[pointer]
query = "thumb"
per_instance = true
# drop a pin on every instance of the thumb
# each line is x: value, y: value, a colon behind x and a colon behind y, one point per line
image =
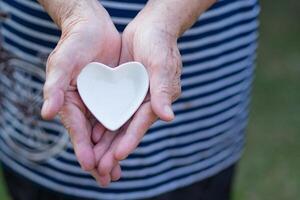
x: 60, y: 65
x: 161, y: 97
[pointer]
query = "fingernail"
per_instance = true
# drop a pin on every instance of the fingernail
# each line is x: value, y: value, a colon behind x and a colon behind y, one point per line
x: 168, y: 110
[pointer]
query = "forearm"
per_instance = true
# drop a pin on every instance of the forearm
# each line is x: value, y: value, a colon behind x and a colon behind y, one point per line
x: 66, y: 11
x: 176, y: 16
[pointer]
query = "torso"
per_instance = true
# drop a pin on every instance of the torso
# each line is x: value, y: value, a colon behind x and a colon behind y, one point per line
x: 207, y: 135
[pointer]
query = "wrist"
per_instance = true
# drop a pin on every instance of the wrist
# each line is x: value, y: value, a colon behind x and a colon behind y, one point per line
x: 174, y: 16
x: 64, y: 13
x: 155, y: 14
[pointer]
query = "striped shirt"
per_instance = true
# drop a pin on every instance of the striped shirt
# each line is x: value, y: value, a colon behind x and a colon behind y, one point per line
x: 207, y: 135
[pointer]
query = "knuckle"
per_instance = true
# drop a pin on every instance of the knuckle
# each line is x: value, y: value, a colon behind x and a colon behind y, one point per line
x: 164, y: 89
x: 177, y: 89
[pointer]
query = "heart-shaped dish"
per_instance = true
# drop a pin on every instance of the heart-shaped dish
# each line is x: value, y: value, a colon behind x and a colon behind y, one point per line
x: 113, y: 94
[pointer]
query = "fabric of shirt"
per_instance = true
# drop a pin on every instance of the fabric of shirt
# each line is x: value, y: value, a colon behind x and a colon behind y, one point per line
x: 207, y: 135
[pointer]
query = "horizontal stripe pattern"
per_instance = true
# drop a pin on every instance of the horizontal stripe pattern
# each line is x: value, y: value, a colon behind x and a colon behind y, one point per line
x: 206, y: 136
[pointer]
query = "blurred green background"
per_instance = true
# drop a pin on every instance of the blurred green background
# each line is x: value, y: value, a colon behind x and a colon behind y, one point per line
x: 270, y: 168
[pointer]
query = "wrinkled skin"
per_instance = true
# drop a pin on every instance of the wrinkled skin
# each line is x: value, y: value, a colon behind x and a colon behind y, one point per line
x: 90, y: 37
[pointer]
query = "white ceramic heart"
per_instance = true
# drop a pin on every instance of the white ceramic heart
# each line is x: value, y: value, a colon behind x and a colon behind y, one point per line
x: 113, y: 94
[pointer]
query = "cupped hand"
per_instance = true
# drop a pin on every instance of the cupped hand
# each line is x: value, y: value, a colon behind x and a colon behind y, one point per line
x: 86, y: 37
x: 150, y: 43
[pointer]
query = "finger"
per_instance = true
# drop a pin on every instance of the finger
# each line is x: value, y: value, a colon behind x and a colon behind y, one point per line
x: 97, y: 132
x: 108, y: 161
x: 106, y: 164
x: 103, y: 181
x: 102, y: 146
x: 79, y: 133
x: 161, y: 96
x: 116, y: 172
x: 60, y: 66
x: 96, y: 176
x: 140, y: 123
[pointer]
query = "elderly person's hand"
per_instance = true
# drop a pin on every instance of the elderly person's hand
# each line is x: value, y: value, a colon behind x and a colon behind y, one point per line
x: 157, y: 50
x: 88, y: 34
x: 151, y: 38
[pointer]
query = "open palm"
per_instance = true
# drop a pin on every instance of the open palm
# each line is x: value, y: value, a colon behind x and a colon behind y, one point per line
x: 83, y: 40
x: 163, y: 63
x: 98, y: 150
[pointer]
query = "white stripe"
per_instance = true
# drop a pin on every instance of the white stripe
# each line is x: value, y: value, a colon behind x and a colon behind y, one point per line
x: 228, y: 8
x: 64, y: 166
x: 121, y: 20
x: 122, y: 5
